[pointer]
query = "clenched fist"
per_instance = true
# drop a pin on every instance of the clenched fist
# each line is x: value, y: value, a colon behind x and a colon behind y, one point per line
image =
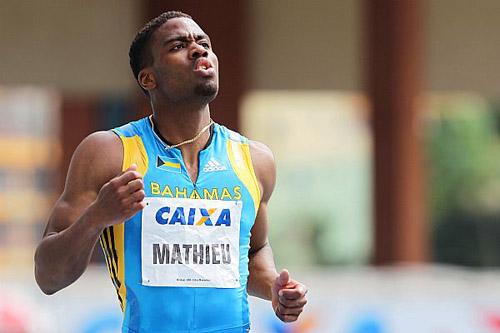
x: 119, y: 199
x: 288, y: 297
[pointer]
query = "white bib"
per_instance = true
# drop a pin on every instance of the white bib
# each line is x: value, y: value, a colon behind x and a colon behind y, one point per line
x: 191, y: 242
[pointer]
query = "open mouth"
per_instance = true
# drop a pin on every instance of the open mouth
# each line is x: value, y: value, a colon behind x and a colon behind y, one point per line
x: 202, y: 64
x: 204, y: 68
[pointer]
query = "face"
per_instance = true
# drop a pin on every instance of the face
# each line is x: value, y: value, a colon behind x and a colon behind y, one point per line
x: 184, y: 64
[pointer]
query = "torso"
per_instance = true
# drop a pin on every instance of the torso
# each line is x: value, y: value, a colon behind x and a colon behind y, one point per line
x: 181, y: 265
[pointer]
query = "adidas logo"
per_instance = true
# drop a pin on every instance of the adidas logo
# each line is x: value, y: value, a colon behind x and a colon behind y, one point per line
x: 213, y: 165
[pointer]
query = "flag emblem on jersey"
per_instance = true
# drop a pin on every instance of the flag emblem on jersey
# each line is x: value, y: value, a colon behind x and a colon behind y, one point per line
x: 213, y: 165
x: 168, y: 164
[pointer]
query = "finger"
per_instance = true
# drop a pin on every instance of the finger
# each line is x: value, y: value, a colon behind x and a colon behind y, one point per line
x: 283, y: 278
x: 137, y: 206
x: 290, y: 311
x: 289, y: 318
x: 293, y: 293
x: 126, y: 177
x: 134, y: 185
x: 286, y: 317
x: 134, y: 208
x: 295, y: 303
x: 137, y: 196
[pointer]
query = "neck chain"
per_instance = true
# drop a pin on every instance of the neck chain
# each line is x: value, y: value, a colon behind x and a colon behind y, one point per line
x: 185, y: 142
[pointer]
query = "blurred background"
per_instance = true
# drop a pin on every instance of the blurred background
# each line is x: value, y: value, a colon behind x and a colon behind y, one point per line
x: 384, y: 117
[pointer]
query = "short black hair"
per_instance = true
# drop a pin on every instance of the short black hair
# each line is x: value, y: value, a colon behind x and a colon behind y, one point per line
x: 139, y: 53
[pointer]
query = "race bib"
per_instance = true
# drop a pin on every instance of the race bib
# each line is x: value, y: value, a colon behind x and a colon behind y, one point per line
x: 191, y: 243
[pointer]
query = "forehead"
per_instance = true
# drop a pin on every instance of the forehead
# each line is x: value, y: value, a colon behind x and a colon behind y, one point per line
x: 179, y: 26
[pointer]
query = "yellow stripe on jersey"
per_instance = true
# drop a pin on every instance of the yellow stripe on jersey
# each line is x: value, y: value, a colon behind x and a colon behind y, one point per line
x: 173, y: 165
x: 241, y: 161
x: 113, y: 238
x: 134, y: 153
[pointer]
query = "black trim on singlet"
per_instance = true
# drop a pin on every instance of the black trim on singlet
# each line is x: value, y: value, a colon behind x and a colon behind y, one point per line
x: 111, y: 259
x: 114, y: 253
x: 106, y: 255
x: 111, y: 256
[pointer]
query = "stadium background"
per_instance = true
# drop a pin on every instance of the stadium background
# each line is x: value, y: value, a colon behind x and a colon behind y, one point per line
x: 383, y: 116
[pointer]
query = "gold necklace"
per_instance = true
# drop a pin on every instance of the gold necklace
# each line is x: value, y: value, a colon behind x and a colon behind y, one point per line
x: 185, y: 142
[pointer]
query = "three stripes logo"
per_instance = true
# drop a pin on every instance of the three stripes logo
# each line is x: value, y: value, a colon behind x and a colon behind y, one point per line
x: 213, y: 165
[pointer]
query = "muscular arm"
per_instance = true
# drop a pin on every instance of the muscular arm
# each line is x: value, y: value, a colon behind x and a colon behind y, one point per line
x: 261, y: 263
x: 79, y: 216
x: 288, y: 297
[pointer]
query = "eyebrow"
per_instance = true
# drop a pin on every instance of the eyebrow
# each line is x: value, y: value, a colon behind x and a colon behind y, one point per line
x: 185, y: 38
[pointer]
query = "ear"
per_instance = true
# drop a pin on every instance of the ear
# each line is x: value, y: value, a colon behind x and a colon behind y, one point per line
x: 146, y: 79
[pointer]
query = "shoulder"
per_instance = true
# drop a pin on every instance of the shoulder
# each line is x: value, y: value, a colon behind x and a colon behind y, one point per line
x: 259, y: 151
x: 133, y: 128
x: 100, y: 145
x: 107, y: 139
x: 262, y: 155
x: 98, y: 158
x: 262, y: 162
x: 264, y: 166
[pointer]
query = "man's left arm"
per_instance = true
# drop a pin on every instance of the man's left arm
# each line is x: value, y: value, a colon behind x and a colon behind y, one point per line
x: 288, y: 297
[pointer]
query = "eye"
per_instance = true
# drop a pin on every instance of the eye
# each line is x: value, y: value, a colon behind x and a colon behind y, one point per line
x: 177, y: 46
x: 205, y: 45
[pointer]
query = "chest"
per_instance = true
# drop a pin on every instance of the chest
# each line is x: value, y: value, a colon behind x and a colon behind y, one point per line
x: 169, y: 177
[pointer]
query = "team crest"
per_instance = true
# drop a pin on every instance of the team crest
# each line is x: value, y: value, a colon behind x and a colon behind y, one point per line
x: 168, y: 164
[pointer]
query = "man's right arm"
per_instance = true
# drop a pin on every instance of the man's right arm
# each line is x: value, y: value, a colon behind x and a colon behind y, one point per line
x: 96, y: 195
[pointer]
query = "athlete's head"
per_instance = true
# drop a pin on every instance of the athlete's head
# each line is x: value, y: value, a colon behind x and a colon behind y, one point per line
x: 173, y: 56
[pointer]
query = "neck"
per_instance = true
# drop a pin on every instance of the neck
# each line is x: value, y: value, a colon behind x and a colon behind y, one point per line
x: 182, y: 122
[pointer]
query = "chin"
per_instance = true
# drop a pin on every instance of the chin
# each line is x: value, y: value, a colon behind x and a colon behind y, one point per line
x: 208, y: 90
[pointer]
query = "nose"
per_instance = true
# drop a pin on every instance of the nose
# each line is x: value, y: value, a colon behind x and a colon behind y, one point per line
x: 197, y: 51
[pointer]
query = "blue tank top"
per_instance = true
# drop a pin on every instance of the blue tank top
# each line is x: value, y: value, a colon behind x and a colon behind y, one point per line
x: 181, y: 264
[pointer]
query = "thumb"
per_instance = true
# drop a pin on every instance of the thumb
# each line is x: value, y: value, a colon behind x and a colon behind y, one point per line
x: 132, y: 167
x: 283, y: 278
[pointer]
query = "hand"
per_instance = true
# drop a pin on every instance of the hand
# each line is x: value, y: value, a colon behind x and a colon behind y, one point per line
x: 288, y: 297
x: 119, y: 199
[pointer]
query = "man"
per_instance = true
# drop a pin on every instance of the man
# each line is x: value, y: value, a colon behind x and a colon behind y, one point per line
x: 179, y: 203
